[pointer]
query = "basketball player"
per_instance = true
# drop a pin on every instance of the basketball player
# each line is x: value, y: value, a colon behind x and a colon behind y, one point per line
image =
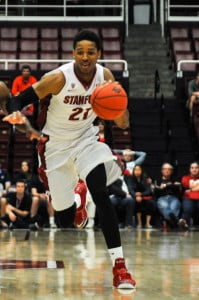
x: 72, y: 150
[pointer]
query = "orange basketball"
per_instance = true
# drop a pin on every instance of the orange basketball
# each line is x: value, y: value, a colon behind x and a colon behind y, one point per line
x: 109, y: 101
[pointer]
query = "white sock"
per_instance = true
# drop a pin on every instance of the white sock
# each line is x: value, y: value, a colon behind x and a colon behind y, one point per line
x: 77, y: 200
x: 51, y: 220
x: 115, y: 253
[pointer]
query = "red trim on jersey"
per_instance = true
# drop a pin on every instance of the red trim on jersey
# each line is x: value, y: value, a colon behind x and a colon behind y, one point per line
x: 85, y: 84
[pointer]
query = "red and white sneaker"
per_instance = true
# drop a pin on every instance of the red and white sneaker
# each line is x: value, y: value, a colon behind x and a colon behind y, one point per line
x: 81, y: 215
x: 122, y: 279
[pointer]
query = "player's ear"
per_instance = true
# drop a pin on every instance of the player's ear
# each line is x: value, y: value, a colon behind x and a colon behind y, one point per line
x: 73, y: 54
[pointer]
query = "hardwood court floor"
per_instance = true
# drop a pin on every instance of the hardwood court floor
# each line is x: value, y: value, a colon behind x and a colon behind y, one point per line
x: 74, y: 265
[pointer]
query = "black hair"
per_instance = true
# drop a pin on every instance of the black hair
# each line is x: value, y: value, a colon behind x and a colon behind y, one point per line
x: 26, y: 67
x: 89, y: 36
x: 20, y: 181
x: 143, y: 174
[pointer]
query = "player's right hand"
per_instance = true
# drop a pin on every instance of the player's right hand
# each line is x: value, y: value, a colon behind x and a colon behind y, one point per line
x: 15, y: 118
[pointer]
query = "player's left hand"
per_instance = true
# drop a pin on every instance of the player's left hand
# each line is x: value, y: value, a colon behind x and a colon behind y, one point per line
x: 34, y: 134
x: 15, y: 118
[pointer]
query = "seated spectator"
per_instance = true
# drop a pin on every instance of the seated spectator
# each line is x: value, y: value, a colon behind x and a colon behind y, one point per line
x: 193, y: 91
x: 5, y: 184
x: 22, y: 82
x: 190, y: 203
x: 101, y: 124
x: 25, y: 174
x: 131, y: 158
x: 122, y: 200
x: 168, y: 192
x: 40, y: 199
x: 4, y: 180
x: 17, y: 207
x: 141, y: 191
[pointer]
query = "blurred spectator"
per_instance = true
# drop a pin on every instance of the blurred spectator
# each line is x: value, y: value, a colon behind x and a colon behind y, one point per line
x: 17, y: 207
x: 40, y: 199
x: 131, y: 158
x: 22, y: 82
x: 141, y: 191
x: 190, y: 203
x: 101, y: 124
x: 5, y: 184
x: 122, y: 201
x: 193, y: 91
x: 168, y: 193
x: 25, y: 174
x: 5, y: 181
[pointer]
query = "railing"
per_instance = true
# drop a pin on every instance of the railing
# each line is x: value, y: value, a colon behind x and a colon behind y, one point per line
x: 172, y: 13
x: 61, y: 61
x: 64, y: 11
x: 180, y: 62
x: 29, y: 11
x: 185, y: 12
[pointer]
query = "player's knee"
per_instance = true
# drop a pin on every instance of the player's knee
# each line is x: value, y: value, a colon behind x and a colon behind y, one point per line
x: 66, y: 217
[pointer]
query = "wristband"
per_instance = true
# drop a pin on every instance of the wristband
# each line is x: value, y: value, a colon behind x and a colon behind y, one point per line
x: 23, y: 99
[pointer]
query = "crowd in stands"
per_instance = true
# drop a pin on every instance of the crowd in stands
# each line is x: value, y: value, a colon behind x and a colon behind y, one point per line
x: 139, y: 201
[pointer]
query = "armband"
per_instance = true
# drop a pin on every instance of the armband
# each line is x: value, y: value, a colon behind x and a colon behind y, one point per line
x: 23, y: 99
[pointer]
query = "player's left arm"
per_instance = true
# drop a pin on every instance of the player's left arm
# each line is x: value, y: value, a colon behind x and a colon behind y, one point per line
x: 123, y: 120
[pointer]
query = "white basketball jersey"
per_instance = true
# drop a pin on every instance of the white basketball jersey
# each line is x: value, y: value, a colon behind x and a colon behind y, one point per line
x: 70, y: 113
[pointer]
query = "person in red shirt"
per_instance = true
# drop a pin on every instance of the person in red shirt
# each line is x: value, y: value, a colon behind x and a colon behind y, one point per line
x: 190, y: 203
x: 22, y: 82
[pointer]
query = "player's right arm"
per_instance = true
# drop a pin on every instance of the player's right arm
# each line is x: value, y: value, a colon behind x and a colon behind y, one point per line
x: 51, y: 83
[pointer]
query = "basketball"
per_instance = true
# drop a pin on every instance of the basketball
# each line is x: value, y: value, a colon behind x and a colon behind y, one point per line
x: 109, y: 101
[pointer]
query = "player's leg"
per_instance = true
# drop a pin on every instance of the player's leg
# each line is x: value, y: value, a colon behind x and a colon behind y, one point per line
x: 96, y: 183
x: 62, y: 182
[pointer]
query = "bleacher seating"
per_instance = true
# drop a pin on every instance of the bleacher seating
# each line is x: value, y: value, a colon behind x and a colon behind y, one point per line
x: 183, y: 45
x: 68, y: 32
x: 179, y: 32
x: 121, y: 139
x: 49, y: 33
x: 29, y: 33
x: 54, y: 42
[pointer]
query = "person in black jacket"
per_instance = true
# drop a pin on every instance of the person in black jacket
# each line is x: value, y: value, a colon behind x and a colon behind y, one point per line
x: 17, y: 207
x: 122, y: 200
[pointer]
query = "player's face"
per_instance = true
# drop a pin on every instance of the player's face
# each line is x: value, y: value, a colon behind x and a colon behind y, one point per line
x: 86, y: 55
